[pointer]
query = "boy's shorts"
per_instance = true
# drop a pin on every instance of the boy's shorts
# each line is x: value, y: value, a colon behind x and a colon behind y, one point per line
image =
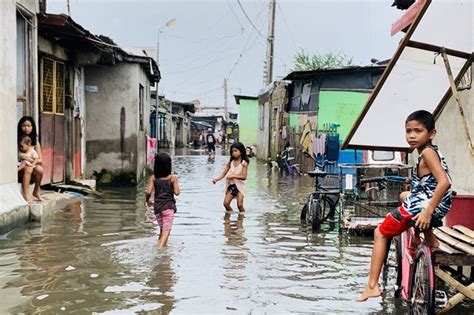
x: 395, y: 223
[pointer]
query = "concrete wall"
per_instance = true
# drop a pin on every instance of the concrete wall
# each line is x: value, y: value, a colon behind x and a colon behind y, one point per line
x: 30, y: 9
x: 248, y: 122
x: 451, y: 139
x: 279, y: 101
x: 52, y: 49
x: 10, y: 197
x: 116, y: 92
x: 263, y: 149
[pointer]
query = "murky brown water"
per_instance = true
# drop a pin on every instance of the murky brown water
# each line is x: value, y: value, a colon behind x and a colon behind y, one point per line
x: 100, y: 256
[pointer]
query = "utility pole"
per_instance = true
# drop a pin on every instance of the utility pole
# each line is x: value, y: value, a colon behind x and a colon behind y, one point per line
x: 268, y: 72
x: 68, y: 8
x: 226, y: 114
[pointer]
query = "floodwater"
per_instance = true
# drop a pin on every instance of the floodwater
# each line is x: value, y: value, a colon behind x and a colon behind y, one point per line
x: 101, y: 256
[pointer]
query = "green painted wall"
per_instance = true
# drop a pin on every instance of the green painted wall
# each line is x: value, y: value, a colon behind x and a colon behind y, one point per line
x: 341, y: 108
x: 248, y: 122
x: 294, y: 120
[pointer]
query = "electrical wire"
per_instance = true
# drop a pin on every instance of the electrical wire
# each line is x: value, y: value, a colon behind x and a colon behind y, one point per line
x: 287, y: 25
x: 248, y: 18
x: 236, y: 17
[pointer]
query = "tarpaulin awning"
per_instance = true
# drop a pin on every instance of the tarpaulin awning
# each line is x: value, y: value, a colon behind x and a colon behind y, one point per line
x: 416, y: 77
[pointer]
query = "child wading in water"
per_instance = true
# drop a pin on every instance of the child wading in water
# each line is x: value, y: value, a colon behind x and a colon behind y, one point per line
x: 165, y: 187
x: 430, y: 196
x: 236, y: 173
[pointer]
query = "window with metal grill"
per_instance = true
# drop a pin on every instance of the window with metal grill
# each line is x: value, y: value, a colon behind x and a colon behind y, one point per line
x: 52, y: 86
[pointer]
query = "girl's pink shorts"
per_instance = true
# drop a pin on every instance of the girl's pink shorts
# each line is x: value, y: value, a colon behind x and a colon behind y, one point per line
x: 165, y: 219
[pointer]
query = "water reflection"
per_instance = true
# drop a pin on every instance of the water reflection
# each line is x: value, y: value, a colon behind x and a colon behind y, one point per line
x: 265, y: 262
x: 234, y: 252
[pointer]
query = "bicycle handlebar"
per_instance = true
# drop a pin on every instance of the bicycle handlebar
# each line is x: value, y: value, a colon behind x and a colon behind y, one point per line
x: 324, y: 164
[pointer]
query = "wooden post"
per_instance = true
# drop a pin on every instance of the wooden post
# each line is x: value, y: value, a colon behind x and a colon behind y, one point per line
x: 455, y: 300
x: 458, y: 101
x: 467, y: 291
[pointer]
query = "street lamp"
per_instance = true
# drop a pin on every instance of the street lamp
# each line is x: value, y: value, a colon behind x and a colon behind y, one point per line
x: 170, y: 23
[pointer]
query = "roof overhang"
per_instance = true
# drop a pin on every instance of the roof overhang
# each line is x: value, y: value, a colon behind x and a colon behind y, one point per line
x: 69, y: 34
x: 244, y: 97
x: 416, y: 77
x: 311, y: 74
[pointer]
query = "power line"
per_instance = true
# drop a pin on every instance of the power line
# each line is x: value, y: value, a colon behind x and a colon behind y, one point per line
x: 243, y: 52
x: 287, y: 25
x: 245, y: 49
x: 236, y: 17
x: 250, y: 21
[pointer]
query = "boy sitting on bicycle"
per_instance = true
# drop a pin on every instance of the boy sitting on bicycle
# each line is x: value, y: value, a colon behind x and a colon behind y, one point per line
x: 430, y: 197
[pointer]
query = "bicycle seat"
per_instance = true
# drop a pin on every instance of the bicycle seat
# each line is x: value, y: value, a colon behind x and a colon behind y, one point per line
x: 317, y: 173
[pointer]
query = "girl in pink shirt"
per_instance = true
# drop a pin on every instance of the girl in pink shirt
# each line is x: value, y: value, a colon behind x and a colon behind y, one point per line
x: 235, y: 172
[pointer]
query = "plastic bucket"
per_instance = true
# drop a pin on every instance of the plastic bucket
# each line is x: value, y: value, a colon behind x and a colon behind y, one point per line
x: 462, y: 211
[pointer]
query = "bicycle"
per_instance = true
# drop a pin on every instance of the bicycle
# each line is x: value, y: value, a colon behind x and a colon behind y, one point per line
x: 415, y: 272
x: 322, y: 202
x: 284, y: 162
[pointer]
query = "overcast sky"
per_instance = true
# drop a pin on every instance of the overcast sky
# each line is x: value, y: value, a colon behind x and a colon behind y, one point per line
x: 213, y: 40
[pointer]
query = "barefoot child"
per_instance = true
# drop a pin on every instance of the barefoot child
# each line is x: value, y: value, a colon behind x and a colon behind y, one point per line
x: 27, y: 173
x: 430, y: 196
x: 236, y: 173
x: 27, y: 156
x: 165, y: 186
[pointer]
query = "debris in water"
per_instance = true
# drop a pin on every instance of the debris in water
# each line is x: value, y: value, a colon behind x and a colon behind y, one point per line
x: 70, y: 268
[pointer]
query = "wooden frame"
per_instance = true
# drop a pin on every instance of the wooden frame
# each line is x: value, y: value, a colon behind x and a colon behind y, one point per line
x: 406, y: 42
x: 456, y: 249
x: 54, y: 86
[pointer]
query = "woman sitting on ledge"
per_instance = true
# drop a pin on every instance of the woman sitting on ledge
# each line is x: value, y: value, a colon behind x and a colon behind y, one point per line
x: 30, y: 170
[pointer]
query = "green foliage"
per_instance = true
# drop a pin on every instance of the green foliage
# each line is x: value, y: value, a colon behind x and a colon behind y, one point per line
x: 107, y: 39
x: 319, y: 61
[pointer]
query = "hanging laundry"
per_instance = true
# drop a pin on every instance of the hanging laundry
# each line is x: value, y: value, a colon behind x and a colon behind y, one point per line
x: 332, y: 147
x: 306, y: 141
x: 320, y: 145
x: 150, y: 150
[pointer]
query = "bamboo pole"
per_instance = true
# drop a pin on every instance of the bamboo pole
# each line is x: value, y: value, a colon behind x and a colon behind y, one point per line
x: 456, y: 234
x: 458, y: 101
x: 464, y: 230
x: 454, y: 242
x: 457, y: 298
x: 446, y: 277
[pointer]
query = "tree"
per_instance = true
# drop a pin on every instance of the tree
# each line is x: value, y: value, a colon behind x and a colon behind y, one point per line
x: 107, y: 40
x: 318, y: 61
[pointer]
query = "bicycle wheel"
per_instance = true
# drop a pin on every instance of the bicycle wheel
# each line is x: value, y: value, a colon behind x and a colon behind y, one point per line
x: 304, y: 214
x: 316, y: 214
x: 398, y: 258
x: 421, y: 297
x: 328, y: 207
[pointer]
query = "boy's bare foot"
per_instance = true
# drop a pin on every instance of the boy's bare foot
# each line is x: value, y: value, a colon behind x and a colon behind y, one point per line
x: 369, y: 293
x: 38, y: 197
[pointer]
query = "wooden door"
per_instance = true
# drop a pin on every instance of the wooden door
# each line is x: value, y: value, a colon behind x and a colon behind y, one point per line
x: 52, y: 120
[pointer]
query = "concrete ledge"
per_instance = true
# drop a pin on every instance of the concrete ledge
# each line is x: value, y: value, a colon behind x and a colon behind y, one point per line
x: 14, y: 218
x: 52, y: 203
x: 37, y: 212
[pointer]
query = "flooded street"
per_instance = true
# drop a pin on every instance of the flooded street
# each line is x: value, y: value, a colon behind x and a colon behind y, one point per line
x: 101, y: 255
